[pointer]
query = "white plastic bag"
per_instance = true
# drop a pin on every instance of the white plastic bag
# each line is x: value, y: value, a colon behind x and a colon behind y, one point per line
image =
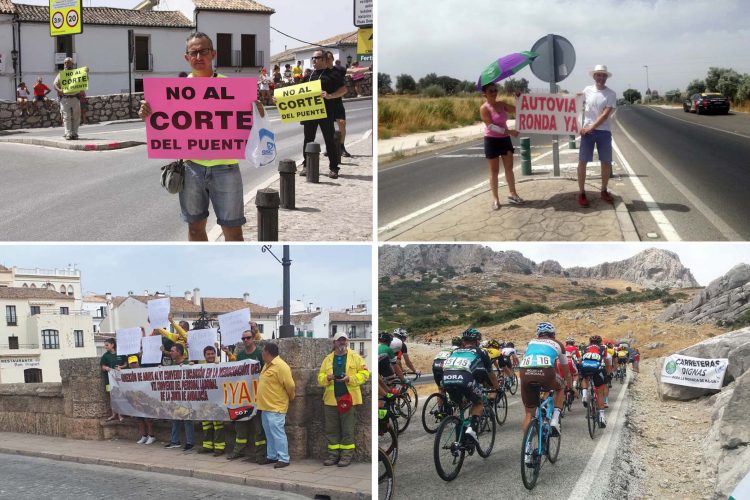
x: 261, y: 146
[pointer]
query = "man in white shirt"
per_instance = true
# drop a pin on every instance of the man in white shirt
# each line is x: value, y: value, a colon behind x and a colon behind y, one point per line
x: 599, y: 104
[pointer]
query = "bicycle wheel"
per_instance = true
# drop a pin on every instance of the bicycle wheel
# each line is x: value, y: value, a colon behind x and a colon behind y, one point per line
x: 433, y: 412
x: 591, y: 417
x: 486, y: 432
x: 622, y: 375
x: 412, y: 391
x: 552, y: 447
x: 447, y: 451
x: 386, y: 481
x: 514, y: 384
x: 403, y: 411
x: 530, y: 473
x: 388, y: 441
x: 500, y: 408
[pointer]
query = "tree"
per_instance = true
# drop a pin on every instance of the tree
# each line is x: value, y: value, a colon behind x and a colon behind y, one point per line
x: 427, y: 80
x: 712, y: 78
x: 743, y: 92
x: 405, y: 83
x: 729, y: 84
x: 695, y: 87
x: 450, y: 85
x: 511, y: 86
x: 631, y: 95
x: 384, y: 83
x: 673, y: 96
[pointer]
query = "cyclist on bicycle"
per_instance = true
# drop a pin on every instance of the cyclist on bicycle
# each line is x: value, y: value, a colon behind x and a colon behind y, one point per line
x: 622, y: 357
x: 442, y: 355
x: 400, y: 334
x: 538, y: 368
x: 387, y: 369
x: 610, y: 363
x: 464, y: 372
x: 593, y: 365
x: 574, y: 358
x: 511, y: 358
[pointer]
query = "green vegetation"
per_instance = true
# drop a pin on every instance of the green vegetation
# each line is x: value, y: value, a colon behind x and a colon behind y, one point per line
x: 596, y: 300
x: 476, y: 269
x: 742, y: 321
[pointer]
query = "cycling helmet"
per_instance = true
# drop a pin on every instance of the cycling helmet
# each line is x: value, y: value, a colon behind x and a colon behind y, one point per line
x: 472, y: 334
x: 545, y: 329
x: 494, y: 344
x: 399, y: 333
x: 385, y: 337
x: 457, y: 341
x: 396, y: 345
x: 595, y: 339
x: 570, y: 341
x: 510, y: 344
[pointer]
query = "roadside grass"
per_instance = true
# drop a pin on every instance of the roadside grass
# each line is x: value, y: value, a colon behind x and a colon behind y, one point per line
x: 401, y: 115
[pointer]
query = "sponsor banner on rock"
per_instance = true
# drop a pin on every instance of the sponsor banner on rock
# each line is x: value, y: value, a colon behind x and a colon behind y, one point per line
x: 225, y: 391
x: 694, y: 372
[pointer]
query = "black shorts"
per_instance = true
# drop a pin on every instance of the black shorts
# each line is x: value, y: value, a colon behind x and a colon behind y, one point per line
x: 596, y: 373
x: 622, y: 361
x: 437, y: 374
x: 460, y: 385
x: 337, y: 109
x: 504, y: 361
x: 497, y: 146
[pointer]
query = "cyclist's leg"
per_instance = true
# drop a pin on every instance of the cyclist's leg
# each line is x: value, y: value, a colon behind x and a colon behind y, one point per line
x: 529, y: 396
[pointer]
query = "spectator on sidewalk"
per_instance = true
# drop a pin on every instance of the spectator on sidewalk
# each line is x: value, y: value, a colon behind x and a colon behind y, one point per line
x: 339, y: 113
x: 253, y: 427
x: 358, y: 76
x: 599, y: 104
x: 145, y: 425
x: 216, y: 181
x: 297, y: 72
x: 264, y: 85
x: 178, y: 358
x: 342, y: 373
x: 40, y: 93
x: 213, y: 430
x: 333, y: 87
x: 70, y: 105
x: 22, y: 98
x: 497, y: 143
x: 111, y: 361
x: 288, y: 80
x: 275, y: 391
x: 277, y: 81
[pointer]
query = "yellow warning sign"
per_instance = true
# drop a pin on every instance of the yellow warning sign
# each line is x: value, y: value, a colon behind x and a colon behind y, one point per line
x: 364, y: 41
x: 65, y: 17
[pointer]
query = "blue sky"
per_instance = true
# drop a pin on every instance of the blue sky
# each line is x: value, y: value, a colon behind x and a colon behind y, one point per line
x: 330, y: 276
x: 310, y: 20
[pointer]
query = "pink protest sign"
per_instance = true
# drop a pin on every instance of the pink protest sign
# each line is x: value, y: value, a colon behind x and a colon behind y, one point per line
x: 549, y: 113
x: 199, y: 118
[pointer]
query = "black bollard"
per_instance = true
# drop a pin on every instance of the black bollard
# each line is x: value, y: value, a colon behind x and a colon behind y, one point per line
x: 267, y: 201
x: 337, y: 140
x: 287, y: 169
x: 312, y: 161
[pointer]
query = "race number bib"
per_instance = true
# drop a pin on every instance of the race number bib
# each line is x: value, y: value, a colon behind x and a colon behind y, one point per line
x: 454, y: 363
x: 536, y: 361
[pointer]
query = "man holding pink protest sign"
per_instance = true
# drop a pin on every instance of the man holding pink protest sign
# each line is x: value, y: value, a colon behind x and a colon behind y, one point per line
x: 600, y: 102
x: 209, y: 122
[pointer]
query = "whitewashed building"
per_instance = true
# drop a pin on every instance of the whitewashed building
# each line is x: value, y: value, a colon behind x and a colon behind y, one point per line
x: 65, y: 281
x: 343, y: 47
x: 240, y: 30
x: 40, y: 328
x: 322, y: 324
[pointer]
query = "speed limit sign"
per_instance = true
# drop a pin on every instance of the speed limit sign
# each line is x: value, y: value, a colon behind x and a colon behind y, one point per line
x: 65, y: 17
x: 57, y: 19
x: 72, y: 18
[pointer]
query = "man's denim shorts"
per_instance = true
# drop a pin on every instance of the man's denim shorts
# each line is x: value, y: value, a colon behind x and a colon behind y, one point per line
x: 603, y: 141
x: 222, y: 185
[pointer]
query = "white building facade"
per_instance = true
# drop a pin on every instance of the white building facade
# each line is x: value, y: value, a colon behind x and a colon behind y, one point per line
x: 65, y: 281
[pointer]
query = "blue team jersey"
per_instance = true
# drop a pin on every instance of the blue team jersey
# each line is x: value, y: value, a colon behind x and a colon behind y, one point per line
x: 542, y: 353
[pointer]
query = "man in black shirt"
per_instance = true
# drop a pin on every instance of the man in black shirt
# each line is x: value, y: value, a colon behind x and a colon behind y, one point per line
x: 333, y: 87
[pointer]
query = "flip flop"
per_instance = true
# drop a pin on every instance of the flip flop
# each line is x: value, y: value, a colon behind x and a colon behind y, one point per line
x: 515, y: 199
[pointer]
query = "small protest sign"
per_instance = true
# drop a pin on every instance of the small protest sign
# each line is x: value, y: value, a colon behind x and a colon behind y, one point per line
x: 128, y: 341
x: 299, y: 103
x: 198, y: 340
x: 553, y: 114
x: 158, y: 312
x: 199, y: 118
x: 233, y: 324
x: 151, y: 349
x: 73, y: 81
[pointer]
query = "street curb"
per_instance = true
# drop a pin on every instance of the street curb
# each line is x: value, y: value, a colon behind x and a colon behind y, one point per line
x: 306, y: 489
x: 627, y: 227
x: 73, y: 146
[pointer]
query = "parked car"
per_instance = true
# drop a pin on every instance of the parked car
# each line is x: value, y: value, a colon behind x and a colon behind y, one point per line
x: 706, y: 102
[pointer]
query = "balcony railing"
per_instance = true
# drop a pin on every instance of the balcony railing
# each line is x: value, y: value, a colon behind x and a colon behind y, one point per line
x: 255, y: 62
x: 56, y: 312
x: 48, y: 272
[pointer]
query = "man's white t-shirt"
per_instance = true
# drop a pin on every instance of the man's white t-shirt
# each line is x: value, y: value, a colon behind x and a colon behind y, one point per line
x: 594, y: 103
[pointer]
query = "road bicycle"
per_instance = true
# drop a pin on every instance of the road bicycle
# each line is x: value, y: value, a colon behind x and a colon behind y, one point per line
x: 538, y: 441
x: 620, y: 374
x: 388, y: 430
x: 434, y: 410
x: 592, y: 409
x: 386, y: 479
x: 452, y: 444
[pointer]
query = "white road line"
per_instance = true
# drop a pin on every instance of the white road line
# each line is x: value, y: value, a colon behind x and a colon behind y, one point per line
x: 667, y: 229
x: 468, y: 155
x: 704, y: 209
x: 591, y: 472
x: 700, y: 124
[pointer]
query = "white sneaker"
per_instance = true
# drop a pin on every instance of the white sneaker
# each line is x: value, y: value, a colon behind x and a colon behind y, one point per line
x: 151, y: 440
x: 470, y: 432
x: 142, y: 440
x: 585, y: 400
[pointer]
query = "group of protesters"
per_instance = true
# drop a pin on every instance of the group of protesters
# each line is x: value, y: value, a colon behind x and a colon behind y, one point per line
x: 341, y: 374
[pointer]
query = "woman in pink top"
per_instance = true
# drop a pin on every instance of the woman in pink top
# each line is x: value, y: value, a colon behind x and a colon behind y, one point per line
x: 497, y: 143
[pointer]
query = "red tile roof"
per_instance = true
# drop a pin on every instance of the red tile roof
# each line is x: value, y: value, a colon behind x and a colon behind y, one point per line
x: 213, y: 305
x: 232, y: 6
x: 31, y: 293
x: 6, y: 7
x: 351, y: 318
x: 111, y: 16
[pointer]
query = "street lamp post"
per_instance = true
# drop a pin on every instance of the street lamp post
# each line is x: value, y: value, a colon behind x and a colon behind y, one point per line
x: 648, y: 87
x: 286, y: 329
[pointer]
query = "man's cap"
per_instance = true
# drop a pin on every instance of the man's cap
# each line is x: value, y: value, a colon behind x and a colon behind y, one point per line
x: 340, y: 335
x: 132, y: 359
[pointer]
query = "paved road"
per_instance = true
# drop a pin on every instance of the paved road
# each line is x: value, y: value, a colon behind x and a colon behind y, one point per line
x: 694, y: 167
x: 59, y: 195
x: 582, y: 470
x: 31, y: 477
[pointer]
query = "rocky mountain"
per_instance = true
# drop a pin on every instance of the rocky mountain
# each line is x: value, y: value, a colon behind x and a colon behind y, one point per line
x: 650, y: 268
x: 724, y: 299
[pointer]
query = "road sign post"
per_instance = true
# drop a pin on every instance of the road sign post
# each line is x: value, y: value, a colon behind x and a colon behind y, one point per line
x: 555, y: 62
